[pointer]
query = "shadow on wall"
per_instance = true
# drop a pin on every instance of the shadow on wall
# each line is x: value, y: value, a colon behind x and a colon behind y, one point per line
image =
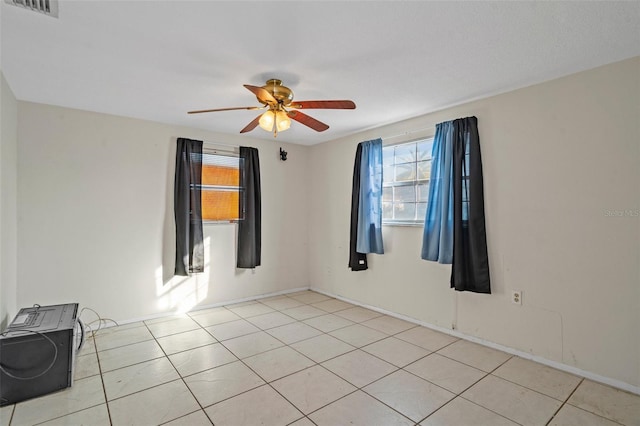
x: 180, y: 294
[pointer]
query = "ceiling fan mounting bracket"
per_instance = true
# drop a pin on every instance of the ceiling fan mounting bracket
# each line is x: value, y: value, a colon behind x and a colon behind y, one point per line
x: 280, y: 93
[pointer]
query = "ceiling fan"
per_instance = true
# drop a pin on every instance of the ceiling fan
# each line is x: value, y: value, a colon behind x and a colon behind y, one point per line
x: 281, y: 108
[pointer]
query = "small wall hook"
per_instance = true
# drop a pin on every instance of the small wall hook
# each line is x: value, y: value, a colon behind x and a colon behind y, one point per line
x: 283, y: 155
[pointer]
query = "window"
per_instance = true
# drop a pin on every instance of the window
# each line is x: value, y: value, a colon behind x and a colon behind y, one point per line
x: 405, y: 185
x: 221, y: 190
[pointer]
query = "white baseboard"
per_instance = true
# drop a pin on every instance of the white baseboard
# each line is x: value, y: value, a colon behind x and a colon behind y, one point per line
x: 554, y: 364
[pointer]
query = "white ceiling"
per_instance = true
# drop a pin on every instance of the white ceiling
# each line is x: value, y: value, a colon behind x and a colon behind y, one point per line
x: 156, y: 60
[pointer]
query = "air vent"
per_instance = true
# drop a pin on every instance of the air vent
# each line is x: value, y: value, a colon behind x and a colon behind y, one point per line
x: 46, y: 7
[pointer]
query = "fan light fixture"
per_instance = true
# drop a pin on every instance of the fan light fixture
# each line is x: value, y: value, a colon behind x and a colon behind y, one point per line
x: 278, y: 118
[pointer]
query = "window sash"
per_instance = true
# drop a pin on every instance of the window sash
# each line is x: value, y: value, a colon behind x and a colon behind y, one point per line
x: 411, y: 163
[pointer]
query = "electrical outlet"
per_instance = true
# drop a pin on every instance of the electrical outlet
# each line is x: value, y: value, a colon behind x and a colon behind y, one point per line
x: 516, y: 297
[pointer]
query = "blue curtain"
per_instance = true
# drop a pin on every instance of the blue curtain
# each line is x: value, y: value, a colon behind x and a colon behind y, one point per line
x: 369, y: 239
x: 454, y: 226
x: 437, y: 239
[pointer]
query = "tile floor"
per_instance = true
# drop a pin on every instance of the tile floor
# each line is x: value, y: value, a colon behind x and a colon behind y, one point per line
x: 306, y: 359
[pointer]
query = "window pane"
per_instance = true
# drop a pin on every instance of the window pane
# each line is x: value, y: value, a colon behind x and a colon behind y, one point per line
x: 387, y: 173
x: 405, y: 153
x: 220, y: 170
x: 423, y: 192
x: 387, y: 210
x: 405, y: 172
x: 404, y: 211
x: 220, y: 205
x: 387, y: 194
x: 387, y: 155
x: 404, y: 193
x: 421, y: 211
x: 424, y: 169
x: 424, y: 150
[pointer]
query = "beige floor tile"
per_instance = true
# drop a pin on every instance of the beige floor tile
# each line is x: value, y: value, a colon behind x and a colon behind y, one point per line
x: 302, y: 422
x: 388, y: 325
x: 359, y: 368
x: 478, y: 356
x: 282, y: 303
x: 572, y: 416
x: 605, y: 401
x: 328, y: 323
x: 229, y: 330
x: 270, y: 320
x: 84, y: 393
x: 310, y: 297
x: 277, y: 363
x: 117, y: 338
x: 396, y: 351
x: 252, y: 344
x: 512, y: 401
x: 408, y: 394
x: 86, y: 366
x: 426, y: 338
x: 358, y: 335
x: 322, y: 348
x: 5, y: 414
x: 153, y: 406
x: 303, y: 312
x: 165, y: 318
x: 217, y: 316
x: 461, y: 412
x: 124, y: 356
x: 358, y: 314
x: 294, y: 332
x: 176, y: 325
x: 260, y: 406
x: 185, y: 341
x: 445, y: 372
x: 358, y: 409
x: 252, y: 310
x: 200, y: 359
x: 312, y: 388
x: 222, y: 382
x: 127, y: 380
x: 332, y: 305
x: 94, y: 416
x: 549, y: 381
x: 198, y: 418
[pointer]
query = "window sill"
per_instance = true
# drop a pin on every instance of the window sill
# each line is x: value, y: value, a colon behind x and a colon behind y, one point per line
x: 407, y: 224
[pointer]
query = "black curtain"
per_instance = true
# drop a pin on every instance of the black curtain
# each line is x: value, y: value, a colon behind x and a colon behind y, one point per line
x: 188, y: 207
x: 249, y: 228
x: 357, y: 261
x: 470, y: 269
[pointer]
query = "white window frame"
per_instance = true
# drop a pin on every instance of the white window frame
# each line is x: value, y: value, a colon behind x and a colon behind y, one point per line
x: 390, y: 183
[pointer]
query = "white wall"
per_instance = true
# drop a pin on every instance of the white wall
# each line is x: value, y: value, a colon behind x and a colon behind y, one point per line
x: 8, y: 202
x: 96, y: 217
x: 557, y: 157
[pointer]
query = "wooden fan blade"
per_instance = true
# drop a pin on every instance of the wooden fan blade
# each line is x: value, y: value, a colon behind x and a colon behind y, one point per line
x: 223, y: 109
x: 249, y: 127
x: 342, y: 104
x: 316, y: 125
x: 263, y: 95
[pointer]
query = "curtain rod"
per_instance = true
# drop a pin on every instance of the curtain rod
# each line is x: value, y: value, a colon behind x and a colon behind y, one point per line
x: 430, y: 127
x: 220, y: 144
